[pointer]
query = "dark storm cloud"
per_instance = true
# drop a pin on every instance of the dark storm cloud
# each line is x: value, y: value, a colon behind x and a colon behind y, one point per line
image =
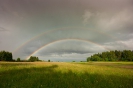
x: 69, y: 47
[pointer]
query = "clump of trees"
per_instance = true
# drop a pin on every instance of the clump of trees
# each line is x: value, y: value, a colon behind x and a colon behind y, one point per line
x: 18, y: 60
x: 49, y: 60
x: 5, y: 56
x: 33, y: 58
x: 125, y: 55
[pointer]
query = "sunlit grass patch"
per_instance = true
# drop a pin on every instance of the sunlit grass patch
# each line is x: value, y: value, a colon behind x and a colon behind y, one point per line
x: 64, y: 75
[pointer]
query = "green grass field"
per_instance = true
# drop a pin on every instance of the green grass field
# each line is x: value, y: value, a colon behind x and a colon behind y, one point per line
x: 66, y: 75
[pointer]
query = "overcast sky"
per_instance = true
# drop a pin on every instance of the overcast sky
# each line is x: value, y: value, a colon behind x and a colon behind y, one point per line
x: 65, y: 30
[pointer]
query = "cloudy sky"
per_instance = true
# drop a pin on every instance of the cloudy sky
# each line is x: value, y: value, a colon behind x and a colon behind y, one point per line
x: 65, y: 30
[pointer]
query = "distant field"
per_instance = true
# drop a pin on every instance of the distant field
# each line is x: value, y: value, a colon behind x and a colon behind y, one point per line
x: 66, y: 75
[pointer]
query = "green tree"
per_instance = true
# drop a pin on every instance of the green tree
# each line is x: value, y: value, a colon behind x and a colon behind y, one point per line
x: 18, y: 59
x: 5, y: 56
x: 33, y: 58
x: 88, y: 59
x: 118, y: 55
x: 48, y: 60
x: 125, y: 55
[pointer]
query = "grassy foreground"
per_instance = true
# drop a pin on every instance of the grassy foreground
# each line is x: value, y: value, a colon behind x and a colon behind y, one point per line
x: 66, y: 75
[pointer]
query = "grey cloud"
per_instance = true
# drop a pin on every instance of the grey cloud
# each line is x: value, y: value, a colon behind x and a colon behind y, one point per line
x: 2, y: 29
x: 117, y: 21
x: 107, y: 23
x: 117, y: 24
x: 120, y: 45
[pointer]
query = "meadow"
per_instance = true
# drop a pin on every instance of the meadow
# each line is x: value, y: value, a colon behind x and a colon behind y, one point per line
x: 66, y: 74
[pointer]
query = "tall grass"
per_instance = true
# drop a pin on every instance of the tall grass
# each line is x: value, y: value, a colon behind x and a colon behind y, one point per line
x: 66, y: 75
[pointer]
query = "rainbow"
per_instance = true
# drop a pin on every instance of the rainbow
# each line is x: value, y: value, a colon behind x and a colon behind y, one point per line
x: 44, y: 33
x: 66, y: 39
x: 54, y: 30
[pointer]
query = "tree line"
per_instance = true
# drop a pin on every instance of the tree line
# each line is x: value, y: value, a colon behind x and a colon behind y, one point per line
x: 125, y: 55
x: 6, y: 56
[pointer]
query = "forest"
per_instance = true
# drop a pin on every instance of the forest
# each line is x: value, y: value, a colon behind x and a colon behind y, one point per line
x: 125, y: 55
